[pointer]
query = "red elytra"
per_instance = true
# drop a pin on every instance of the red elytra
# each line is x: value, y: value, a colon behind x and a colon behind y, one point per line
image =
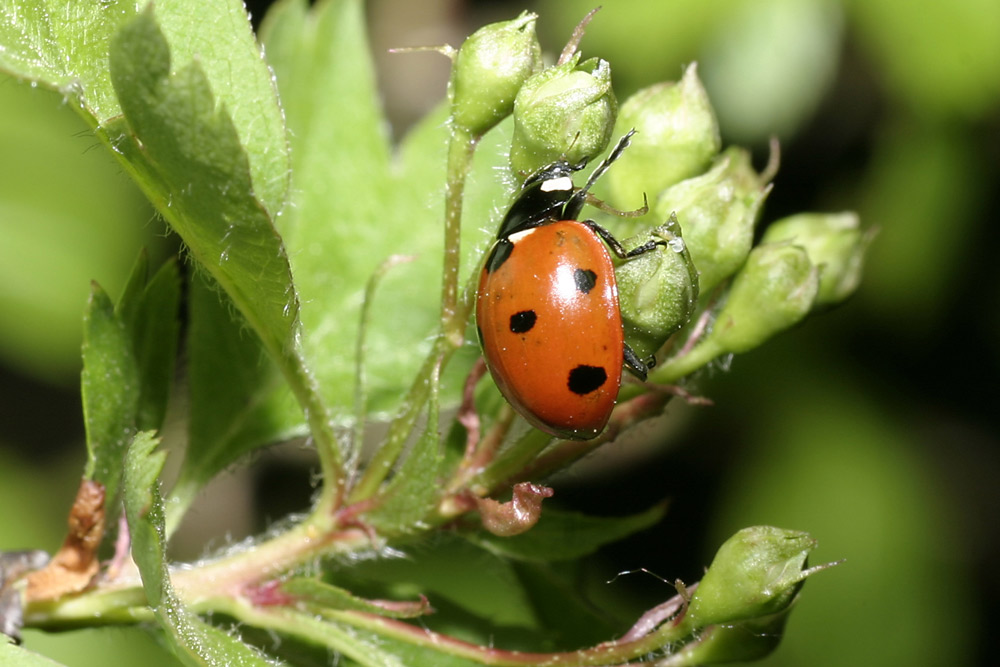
x: 547, y: 308
x: 551, y: 329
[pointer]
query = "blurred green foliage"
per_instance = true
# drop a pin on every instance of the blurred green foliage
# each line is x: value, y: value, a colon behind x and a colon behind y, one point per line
x: 67, y: 216
x: 831, y: 454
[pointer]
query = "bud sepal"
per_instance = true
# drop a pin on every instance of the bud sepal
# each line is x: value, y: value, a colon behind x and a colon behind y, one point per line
x: 836, y: 244
x: 775, y: 289
x: 677, y: 136
x: 718, y: 211
x: 657, y: 290
x: 566, y: 112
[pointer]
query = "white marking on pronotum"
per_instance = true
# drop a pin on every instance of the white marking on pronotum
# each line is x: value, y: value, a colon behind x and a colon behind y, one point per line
x: 561, y: 183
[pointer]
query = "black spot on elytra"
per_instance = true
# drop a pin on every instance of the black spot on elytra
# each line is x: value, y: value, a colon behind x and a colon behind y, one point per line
x: 523, y: 321
x: 498, y: 255
x: 585, y: 379
x: 585, y: 280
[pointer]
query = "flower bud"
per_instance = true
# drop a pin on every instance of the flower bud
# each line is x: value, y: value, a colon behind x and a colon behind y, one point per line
x: 657, y: 290
x: 756, y: 572
x: 676, y: 137
x: 774, y: 290
x: 489, y: 69
x: 563, y: 112
x: 836, y: 245
x: 717, y: 211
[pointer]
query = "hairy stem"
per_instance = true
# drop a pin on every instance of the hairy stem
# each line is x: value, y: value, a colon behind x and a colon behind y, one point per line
x: 454, y: 316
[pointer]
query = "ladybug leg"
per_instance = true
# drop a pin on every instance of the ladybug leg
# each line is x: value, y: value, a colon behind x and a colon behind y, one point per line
x: 616, y: 247
x: 608, y: 208
x: 575, y: 204
x: 637, y: 366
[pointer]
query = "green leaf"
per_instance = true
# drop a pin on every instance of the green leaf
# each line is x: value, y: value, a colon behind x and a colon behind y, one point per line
x: 110, y: 391
x: 12, y: 655
x: 188, y: 156
x: 337, y: 230
x: 149, y: 313
x: 415, y: 488
x: 65, y: 45
x: 321, y: 595
x: 238, y: 398
x: 354, y: 204
x: 128, y: 364
x: 218, y: 36
x: 195, y: 642
x: 408, y: 654
x: 561, y: 535
x: 479, y: 582
x: 145, y: 514
x: 571, y: 613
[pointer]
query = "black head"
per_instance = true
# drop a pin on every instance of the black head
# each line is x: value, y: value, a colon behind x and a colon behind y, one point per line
x: 549, y: 193
x: 542, y: 198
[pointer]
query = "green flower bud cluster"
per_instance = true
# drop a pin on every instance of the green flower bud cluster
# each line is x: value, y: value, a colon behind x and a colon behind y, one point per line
x: 835, y: 243
x: 705, y: 201
x: 776, y: 288
x: 564, y: 112
x: 804, y: 262
x: 756, y: 572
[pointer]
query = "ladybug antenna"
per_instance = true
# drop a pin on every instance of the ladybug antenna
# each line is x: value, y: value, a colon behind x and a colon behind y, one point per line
x: 579, y: 165
x: 575, y: 204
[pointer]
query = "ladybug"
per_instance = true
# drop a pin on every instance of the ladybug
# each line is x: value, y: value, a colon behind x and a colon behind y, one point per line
x: 547, y: 307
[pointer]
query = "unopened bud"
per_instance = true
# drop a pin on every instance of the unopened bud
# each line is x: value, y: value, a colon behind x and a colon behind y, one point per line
x: 774, y: 290
x: 677, y: 135
x: 566, y: 112
x: 835, y: 243
x: 489, y: 69
x: 657, y: 290
x: 717, y: 212
x: 756, y: 572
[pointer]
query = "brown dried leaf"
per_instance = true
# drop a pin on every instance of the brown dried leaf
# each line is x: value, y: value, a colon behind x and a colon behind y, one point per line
x: 75, y: 564
x: 518, y: 514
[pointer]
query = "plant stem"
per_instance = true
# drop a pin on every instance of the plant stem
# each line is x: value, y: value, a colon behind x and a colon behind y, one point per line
x: 675, y: 368
x: 303, y: 543
x: 109, y: 607
x: 607, y: 653
x: 360, y: 371
x: 454, y: 315
x: 382, y: 462
x: 512, y: 460
x: 461, y: 147
x: 208, y: 584
x: 306, y: 390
